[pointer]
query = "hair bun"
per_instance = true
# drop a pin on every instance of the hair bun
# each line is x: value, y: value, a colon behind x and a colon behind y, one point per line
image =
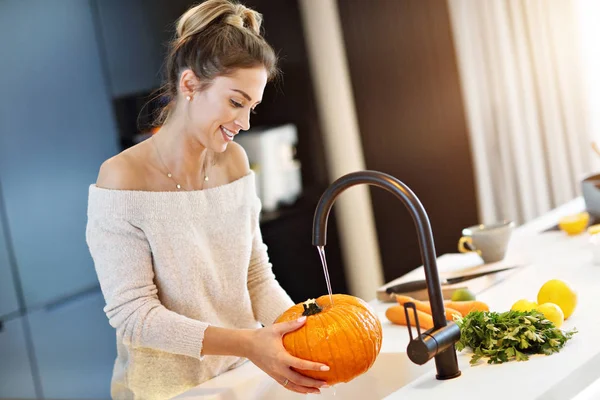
x: 199, y: 17
x: 244, y: 17
x: 235, y: 20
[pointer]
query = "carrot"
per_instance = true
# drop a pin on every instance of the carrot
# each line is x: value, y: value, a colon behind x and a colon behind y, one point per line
x: 419, y: 305
x: 426, y: 307
x: 465, y: 307
x: 397, y: 316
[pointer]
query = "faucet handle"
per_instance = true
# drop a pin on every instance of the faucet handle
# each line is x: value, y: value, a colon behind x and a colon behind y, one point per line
x: 423, y: 347
x: 427, y: 345
x: 408, y: 305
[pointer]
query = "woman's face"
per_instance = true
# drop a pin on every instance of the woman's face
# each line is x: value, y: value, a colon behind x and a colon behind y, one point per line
x: 217, y: 113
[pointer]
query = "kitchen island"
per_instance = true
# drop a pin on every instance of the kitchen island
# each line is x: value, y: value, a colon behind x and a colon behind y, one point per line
x: 573, y: 373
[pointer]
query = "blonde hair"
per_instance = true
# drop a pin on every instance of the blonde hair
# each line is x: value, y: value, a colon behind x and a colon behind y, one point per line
x: 199, y: 17
x: 215, y: 38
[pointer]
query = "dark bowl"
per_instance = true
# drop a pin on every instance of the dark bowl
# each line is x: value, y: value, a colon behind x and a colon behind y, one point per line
x: 590, y: 188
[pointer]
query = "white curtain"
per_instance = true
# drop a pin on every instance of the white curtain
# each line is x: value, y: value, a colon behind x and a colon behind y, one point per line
x: 520, y: 69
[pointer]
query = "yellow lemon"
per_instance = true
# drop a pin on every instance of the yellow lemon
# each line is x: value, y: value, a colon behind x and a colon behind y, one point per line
x: 558, y: 292
x: 552, y: 313
x: 524, y: 305
x: 574, y: 224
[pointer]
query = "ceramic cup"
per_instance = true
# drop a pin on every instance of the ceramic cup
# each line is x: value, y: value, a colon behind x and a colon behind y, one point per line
x: 488, y: 240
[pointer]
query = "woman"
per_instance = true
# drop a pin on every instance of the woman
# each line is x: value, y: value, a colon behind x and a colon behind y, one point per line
x: 173, y: 224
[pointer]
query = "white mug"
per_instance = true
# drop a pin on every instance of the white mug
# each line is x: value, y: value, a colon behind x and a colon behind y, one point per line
x: 488, y: 240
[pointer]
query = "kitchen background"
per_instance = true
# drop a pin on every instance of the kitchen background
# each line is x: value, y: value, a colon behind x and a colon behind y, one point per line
x: 77, y: 75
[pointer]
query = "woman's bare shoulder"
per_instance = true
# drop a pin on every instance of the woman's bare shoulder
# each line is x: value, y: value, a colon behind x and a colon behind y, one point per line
x: 237, y: 161
x: 124, y: 171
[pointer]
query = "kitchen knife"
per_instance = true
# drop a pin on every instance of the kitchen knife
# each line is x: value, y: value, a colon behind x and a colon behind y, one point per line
x: 414, y: 286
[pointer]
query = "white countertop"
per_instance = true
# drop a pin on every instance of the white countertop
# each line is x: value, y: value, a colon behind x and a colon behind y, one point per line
x: 546, y: 255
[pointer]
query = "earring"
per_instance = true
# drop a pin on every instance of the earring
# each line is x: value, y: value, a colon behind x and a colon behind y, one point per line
x: 188, y: 98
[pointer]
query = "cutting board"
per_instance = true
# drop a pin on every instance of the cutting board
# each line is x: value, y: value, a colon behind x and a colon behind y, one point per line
x: 452, y: 265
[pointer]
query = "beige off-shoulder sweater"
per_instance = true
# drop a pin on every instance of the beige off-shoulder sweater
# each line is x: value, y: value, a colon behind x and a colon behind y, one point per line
x: 170, y: 264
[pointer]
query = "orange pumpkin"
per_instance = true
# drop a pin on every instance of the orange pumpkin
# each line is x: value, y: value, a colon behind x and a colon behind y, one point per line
x: 345, y: 336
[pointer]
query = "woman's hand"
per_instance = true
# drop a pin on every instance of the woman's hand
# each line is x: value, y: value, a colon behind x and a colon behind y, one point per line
x: 267, y: 353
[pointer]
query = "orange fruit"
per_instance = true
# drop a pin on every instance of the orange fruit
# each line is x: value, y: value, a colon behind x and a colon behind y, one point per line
x: 574, y: 224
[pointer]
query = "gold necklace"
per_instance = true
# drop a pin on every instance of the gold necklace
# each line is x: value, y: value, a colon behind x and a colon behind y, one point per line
x: 170, y: 175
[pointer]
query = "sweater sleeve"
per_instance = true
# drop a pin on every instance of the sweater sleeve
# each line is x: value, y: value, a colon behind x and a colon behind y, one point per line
x: 269, y: 300
x: 123, y: 263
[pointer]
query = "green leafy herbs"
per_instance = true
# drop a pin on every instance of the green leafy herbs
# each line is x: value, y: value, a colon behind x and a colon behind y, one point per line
x: 512, y: 335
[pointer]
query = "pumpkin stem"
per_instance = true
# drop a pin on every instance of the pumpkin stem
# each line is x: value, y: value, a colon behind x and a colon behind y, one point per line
x: 311, y: 307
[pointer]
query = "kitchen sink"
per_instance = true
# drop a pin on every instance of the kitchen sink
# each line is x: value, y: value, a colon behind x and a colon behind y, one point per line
x: 390, y: 372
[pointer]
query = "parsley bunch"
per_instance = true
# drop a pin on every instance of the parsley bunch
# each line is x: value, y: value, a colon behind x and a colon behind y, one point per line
x: 509, y: 335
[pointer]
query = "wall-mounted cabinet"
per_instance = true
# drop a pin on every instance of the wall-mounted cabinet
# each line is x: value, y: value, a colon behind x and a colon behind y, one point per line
x: 16, y: 375
x: 75, y: 349
x: 57, y: 127
x: 8, y: 294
